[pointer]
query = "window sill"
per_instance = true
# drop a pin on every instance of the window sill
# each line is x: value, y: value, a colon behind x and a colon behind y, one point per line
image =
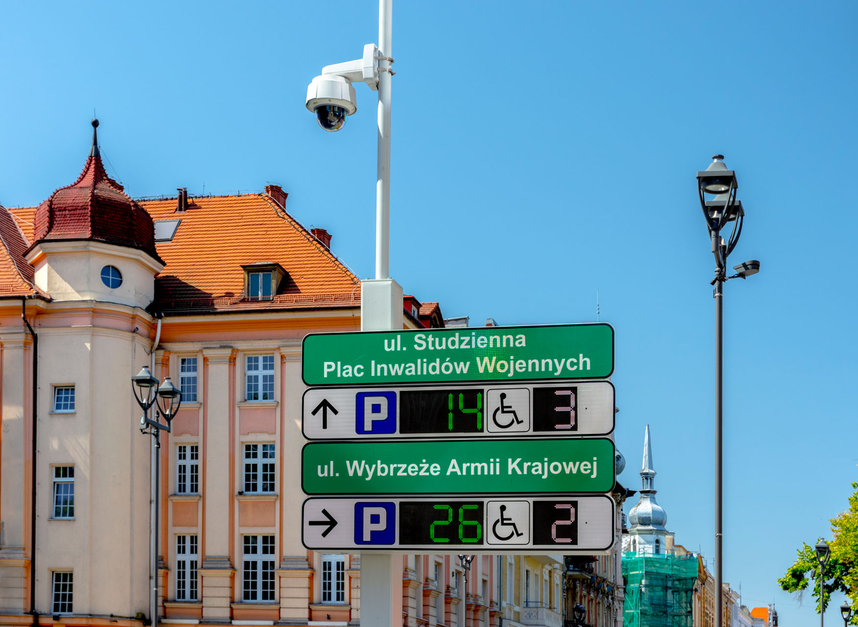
x: 190, y: 405
x: 54, y: 412
x: 184, y: 497
x: 182, y: 604
x: 255, y: 604
x: 62, y: 519
x: 258, y: 403
x: 268, y: 496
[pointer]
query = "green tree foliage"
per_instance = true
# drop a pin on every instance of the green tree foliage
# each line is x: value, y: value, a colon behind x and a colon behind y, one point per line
x: 841, y: 573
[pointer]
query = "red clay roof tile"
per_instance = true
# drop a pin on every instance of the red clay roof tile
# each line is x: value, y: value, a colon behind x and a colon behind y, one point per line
x: 218, y: 235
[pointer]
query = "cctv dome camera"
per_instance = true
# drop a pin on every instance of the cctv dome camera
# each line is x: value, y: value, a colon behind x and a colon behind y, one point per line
x: 331, y: 98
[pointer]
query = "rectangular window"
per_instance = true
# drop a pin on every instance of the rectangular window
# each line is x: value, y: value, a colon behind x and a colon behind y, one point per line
x: 333, y: 578
x: 259, y: 286
x: 187, y: 469
x: 64, y: 399
x: 63, y: 492
x: 510, y: 583
x: 188, y: 379
x: 186, y: 568
x: 61, y: 596
x: 439, y: 585
x: 259, y: 468
x: 260, y: 378
x: 258, y: 576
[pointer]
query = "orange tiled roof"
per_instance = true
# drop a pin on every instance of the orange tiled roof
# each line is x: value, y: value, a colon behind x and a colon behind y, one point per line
x: 760, y: 612
x: 16, y: 275
x: 218, y: 235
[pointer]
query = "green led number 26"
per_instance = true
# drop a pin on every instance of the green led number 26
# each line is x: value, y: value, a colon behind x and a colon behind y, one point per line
x: 471, y: 526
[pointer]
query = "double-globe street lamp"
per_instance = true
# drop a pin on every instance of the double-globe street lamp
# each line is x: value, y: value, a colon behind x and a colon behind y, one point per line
x: 169, y: 398
x: 717, y: 187
x: 823, y: 554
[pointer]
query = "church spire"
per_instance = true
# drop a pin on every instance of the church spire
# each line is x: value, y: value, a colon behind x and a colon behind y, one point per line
x: 647, y: 514
x: 647, y: 471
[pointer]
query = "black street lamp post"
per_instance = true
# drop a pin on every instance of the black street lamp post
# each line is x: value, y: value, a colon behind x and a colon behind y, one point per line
x: 823, y: 553
x: 846, y: 613
x: 579, y: 612
x: 169, y: 399
x: 724, y: 208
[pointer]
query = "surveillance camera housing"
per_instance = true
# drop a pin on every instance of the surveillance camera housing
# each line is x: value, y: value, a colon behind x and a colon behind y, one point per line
x: 331, y: 98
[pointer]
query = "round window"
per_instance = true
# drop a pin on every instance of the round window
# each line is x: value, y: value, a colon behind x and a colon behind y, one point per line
x: 111, y: 277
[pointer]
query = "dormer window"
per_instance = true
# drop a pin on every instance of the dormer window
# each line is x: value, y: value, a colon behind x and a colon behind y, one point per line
x: 262, y: 280
x: 259, y: 286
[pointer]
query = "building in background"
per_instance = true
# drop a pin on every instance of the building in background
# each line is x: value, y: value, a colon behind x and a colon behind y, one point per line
x: 660, y: 576
x: 216, y: 292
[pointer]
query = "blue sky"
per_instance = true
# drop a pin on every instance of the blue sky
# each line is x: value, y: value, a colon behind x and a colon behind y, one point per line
x: 542, y: 152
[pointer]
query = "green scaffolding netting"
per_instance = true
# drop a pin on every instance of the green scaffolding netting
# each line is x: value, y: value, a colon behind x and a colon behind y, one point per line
x: 659, y: 590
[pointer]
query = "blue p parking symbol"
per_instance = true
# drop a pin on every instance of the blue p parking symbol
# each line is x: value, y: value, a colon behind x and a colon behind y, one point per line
x: 375, y: 412
x: 375, y: 523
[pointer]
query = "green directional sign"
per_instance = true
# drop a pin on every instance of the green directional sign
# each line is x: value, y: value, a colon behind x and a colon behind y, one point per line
x: 575, y: 351
x: 482, y: 466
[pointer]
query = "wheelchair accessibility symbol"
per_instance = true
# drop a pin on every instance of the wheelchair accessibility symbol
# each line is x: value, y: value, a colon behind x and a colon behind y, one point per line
x: 510, y: 522
x: 509, y: 409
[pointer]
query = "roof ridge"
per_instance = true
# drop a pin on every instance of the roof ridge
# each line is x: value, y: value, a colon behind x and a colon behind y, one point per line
x: 282, y: 213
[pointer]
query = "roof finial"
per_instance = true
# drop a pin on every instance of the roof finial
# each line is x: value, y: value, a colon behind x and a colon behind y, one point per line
x: 94, y: 152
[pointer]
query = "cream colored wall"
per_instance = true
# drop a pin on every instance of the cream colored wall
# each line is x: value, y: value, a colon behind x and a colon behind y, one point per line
x: 13, y: 444
x: 106, y: 545
x: 72, y: 271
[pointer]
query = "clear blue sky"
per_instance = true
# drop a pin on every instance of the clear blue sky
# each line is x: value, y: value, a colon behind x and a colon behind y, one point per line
x: 542, y: 151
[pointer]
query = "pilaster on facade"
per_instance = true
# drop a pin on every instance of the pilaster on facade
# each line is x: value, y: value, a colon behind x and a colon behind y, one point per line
x: 295, y: 583
x: 410, y: 601
x: 430, y: 602
x: 217, y: 578
x: 353, y: 575
x: 451, y: 609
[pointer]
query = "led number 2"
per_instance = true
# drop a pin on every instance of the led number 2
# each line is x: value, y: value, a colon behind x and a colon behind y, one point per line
x: 567, y: 507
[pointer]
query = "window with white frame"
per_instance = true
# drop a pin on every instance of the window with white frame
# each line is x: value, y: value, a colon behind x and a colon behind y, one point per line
x: 510, y: 583
x: 526, y: 588
x: 187, y: 469
x: 258, y: 567
x: 439, y: 584
x: 259, y: 473
x: 545, y: 591
x: 63, y: 399
x: 63, y: 492
x: 188, y: 379
x: 333, y: 578
x: 186, y: 568
x: 259, y: 381
x: 259, y: 285
x: 62, y: 588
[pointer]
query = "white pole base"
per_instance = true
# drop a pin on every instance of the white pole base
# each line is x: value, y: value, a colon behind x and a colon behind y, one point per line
x: 381, y: 590
x: 381, y: 305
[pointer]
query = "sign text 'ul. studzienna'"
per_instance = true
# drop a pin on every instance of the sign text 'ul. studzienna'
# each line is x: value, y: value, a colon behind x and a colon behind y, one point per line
x: 575, y: 351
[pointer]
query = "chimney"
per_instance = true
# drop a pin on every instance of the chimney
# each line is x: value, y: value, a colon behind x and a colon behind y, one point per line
x: 323, y: 236
x: 277, y: 194
x: 182, y: 199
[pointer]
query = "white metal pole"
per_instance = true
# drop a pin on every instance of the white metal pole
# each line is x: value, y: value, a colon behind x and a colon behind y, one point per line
x: 381, y: 574
x: 382, y: 204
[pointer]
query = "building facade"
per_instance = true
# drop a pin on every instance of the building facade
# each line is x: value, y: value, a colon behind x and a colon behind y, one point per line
x: 217, y: 293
